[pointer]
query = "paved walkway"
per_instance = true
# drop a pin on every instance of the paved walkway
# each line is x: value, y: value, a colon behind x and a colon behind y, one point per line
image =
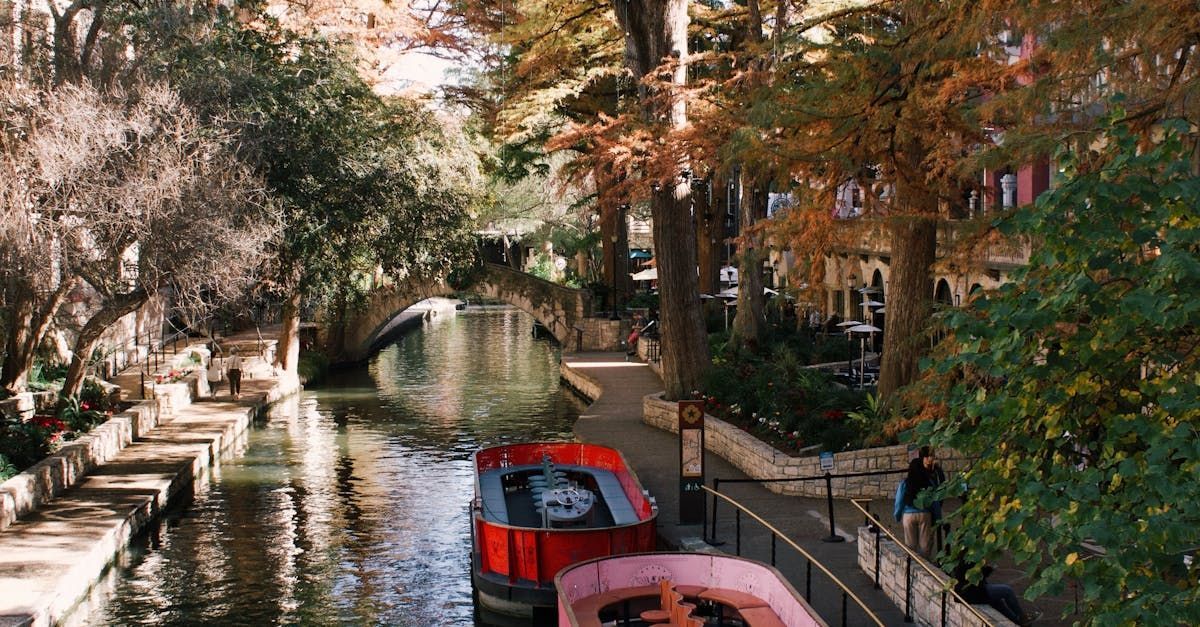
x: 615, y: 419
x: 51, y: 558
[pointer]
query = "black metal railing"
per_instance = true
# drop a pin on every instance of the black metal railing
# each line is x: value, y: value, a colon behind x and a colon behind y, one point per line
x: 810, y: 561
x: 943, y: 582
x: 827, y: 478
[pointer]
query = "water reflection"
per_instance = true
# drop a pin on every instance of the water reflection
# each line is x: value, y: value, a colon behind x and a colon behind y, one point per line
x: 349, y: 503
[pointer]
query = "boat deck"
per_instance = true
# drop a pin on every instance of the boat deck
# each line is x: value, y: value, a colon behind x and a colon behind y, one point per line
x: 507, y: 498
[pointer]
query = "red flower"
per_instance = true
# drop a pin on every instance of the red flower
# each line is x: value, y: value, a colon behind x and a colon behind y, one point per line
x: 49, y: 422
x: 84, y: 406
x: 834, y: 414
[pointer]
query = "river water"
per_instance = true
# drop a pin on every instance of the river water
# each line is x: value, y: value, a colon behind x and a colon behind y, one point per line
x: 348, y: 505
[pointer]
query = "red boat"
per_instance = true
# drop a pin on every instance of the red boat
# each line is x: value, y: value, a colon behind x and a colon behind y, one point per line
x: 540, y: 507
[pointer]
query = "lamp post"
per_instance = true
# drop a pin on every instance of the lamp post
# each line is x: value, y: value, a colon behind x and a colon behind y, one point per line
x: 850, y: 282
x: 613, y: 238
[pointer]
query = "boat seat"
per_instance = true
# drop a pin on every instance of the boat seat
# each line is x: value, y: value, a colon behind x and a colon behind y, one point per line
x: 760, y: 617
x: 587, y: 610
x: 614, y: 497
x: 491, y: 493
x: 736, y: 599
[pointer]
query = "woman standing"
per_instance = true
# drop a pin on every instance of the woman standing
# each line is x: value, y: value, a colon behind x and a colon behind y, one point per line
x: 234, y: 369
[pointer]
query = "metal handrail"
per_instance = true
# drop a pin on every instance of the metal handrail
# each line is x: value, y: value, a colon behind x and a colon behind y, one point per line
x: 811, y: 560
x: 937, y: 574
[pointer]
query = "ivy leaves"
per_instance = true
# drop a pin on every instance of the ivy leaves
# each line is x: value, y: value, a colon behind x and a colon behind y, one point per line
x: 1076, y: 387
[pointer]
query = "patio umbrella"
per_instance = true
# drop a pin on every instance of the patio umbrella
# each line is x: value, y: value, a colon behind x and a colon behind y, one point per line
x: 864, y: 328
x: 649, y: 274
x: 872, y: 303
x: 848, y: 323
x: 880, y: 310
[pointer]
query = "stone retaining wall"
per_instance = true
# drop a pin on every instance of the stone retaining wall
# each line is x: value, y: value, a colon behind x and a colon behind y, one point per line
x: 761, y: 461
x: 924, y: 600
x: 601, y: 334
x: 50, y: 477
x: 64, y: 468
x: 582, y: 384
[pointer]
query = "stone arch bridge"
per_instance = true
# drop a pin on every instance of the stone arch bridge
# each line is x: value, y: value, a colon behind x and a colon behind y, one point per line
x: 561, y: 310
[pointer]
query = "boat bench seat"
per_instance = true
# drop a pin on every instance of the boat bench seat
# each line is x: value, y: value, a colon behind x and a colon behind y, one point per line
x: 614, y: 497
x: 736, y: 599
x: 587, y: 610
x: 491, y: 493
x: 760, y: 617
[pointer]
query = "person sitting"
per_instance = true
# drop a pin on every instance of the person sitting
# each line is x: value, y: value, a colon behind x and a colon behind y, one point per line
x: 631, y: 344
x: 999, y: 596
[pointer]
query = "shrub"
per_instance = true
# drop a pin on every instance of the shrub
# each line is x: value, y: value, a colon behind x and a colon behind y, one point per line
x: 24, y: 444
x: 312, y: 366
x: 7, y: 470
x: 782, y: 402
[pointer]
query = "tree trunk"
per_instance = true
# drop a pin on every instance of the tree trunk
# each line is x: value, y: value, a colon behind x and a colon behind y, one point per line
x: 656, y: 31
x: 621, y: 257
x: 112, y: 311
x: 684, y: 339
x: 19, y: 360
x: 287, y: 352
x: 910, y: 293
x: 749, y: 321
x: 608, y: 248
x: 14, y: 376
x: 707, y: 224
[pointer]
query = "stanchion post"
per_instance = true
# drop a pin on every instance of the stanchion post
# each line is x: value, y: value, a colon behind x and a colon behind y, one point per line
x: 716, y: 500
x: 833, y: 536
x: 738, y: 528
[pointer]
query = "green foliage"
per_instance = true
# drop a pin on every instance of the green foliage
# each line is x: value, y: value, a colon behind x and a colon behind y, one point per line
x: 542, y: 267
x: 80, y: 415
x: 313, y: 366
x: 43, y: 372
x: 1075, y: 387
x: 363, y: 182
x: 7, y: 469
x: 23, y: 444
x: 779, y: 399
x: 643, y: 300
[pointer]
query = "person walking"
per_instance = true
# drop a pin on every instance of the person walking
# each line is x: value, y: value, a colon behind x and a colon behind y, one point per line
x: 234, y: 369
x: 918, y: 521
x: 214, y: 375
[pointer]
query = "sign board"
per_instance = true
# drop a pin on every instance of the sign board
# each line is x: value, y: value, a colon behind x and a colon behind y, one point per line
x: 826, y: 461
x: 691, y: 462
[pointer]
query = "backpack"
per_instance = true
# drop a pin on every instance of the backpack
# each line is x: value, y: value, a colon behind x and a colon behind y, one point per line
x: 898, y: 508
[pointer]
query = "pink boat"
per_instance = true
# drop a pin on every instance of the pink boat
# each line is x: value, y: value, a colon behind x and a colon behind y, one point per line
x: 700, y: 589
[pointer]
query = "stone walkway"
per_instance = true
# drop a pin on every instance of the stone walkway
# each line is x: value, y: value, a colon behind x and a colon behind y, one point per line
x: 50, y: 559
x: 614, y: 419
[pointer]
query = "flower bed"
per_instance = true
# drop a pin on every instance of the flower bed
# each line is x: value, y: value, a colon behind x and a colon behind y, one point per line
x: 25, y: 443
x: 786, y: 404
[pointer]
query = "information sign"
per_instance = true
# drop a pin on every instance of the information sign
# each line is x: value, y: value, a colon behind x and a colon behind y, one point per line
x: 691, y: 462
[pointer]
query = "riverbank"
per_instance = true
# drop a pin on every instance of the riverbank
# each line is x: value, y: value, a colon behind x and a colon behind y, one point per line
x: 51, y: 557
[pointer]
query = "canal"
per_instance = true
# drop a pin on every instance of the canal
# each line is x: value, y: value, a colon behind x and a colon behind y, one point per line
x: 348, y: 504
